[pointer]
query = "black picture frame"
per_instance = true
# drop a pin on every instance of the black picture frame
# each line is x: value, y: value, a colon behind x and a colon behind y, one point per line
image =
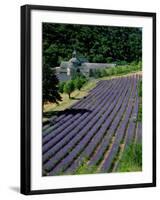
x: 26, y: 98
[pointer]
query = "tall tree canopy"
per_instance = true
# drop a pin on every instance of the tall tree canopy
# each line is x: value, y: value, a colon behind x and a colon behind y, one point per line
x: 96, y: 43
x: 50, y: 86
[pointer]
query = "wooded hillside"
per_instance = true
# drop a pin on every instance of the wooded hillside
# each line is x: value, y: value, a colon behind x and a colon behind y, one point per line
x: 96, y: 43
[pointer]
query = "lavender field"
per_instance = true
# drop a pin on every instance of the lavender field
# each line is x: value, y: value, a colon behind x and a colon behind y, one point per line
x: 92, y: 135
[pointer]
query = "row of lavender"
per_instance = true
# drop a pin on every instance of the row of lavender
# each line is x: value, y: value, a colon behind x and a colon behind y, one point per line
x: 93, y: 129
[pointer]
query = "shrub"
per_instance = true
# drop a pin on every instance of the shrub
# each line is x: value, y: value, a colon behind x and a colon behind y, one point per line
x: 140, y: 65
x: 109, y: 59
x: 103, y: 73
x: 117, y: 70
x: 98, y: 73
x: 91, y: 73
x: 122, y: 63
x: 131, y: 159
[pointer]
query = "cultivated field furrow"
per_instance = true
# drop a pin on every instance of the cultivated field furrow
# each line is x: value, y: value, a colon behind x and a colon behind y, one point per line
x: 90, y: 132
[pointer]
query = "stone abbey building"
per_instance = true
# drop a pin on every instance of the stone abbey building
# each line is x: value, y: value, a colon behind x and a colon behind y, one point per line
x: 67, y: 69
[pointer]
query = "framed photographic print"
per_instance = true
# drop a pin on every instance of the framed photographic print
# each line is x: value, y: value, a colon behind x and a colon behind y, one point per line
x: 88, y: 99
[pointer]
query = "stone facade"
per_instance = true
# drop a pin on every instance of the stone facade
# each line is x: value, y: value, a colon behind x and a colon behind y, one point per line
x: 67, y: 69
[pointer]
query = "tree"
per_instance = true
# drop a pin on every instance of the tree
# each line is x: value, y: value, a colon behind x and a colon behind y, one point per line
x: 61, y: 87
x: 50, y: 86
x: 91, y: 73
x: 69, y: 87
x: 97, y: 73
x: 78, y: 82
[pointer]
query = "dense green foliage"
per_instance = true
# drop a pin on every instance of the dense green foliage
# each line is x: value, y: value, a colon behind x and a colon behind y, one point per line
x: 140, y: 113
x: 69, y: 87
x: 131, y: 159
x: 78, y: 83
x: 118, y: 70
x: 95, y: 43
x: 61, y: 87
x: 50, y: 86
x: 84, y: 168
x: 119, y: 45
